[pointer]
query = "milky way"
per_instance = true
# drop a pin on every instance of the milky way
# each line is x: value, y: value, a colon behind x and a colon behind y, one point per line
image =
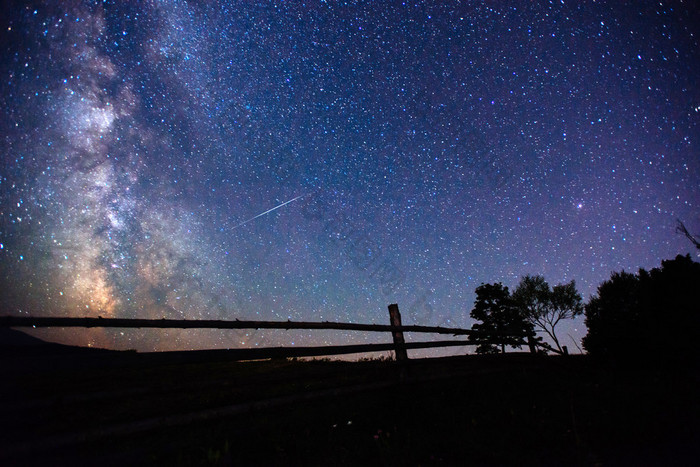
x: 150, y: 151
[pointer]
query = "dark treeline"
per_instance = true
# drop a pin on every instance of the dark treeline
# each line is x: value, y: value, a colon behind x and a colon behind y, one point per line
x: 648, y: 315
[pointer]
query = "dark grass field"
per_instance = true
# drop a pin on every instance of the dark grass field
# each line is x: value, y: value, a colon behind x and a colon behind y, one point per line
x: 67, y: 407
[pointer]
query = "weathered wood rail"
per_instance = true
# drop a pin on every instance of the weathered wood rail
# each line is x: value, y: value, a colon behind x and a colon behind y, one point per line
x: 65, y: 322
x: 399, y: 345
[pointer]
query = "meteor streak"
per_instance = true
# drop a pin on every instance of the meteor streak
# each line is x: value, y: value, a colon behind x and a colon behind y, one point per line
x: 269, y: 210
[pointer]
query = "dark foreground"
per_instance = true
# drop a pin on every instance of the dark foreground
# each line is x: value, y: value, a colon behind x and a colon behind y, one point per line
x: 108, y: 408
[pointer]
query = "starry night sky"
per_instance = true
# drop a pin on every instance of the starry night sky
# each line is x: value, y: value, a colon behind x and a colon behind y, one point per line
x: 421, y: 149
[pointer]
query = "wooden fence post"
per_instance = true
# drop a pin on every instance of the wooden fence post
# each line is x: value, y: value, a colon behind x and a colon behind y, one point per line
x: 399, y: 343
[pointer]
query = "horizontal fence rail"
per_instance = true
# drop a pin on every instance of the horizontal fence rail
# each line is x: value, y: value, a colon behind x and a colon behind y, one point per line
x: 260, y: 353
x: 64, y: 322
x: 399, y: 346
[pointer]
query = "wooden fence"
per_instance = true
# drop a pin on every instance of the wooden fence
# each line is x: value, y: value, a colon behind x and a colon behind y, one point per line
x: 399, y: 345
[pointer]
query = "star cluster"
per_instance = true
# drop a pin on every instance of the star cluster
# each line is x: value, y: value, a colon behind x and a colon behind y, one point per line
x: 406, y: 153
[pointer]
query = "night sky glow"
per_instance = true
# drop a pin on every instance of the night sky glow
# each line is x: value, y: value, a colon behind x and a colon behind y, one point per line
x: 318, y: 161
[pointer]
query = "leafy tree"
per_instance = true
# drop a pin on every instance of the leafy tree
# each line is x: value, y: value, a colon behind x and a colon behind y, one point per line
x: 544, y: 307
x: 501, y: 323
x: 613, y: 315
x: 649, y: 314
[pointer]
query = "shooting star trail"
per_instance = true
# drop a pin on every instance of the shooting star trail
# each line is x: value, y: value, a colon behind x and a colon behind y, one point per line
x: 269, y: 210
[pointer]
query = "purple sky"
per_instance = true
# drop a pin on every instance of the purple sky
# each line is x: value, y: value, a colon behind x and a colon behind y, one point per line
x: 420, y: 150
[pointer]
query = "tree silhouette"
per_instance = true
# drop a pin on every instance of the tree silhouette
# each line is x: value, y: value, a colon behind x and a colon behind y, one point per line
x: 681, y: 229
x: 614, y: 315
x: 651, y: 314
x: 501, y: 323
x: 544, y: 307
